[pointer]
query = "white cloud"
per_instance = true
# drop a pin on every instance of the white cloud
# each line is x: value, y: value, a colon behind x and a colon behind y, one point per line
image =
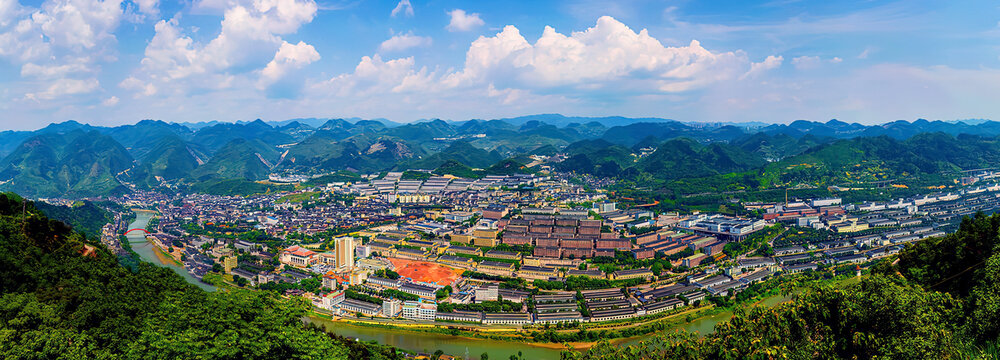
x: 375, y: 76
x: 59, y: 44
x: 52, y: 71
x: 65, y: 87
x: 505, y: 74
x: 403, y: 7
x: 249, y: 39
x: 864, y: 54
x: 111, y: 101
x: 288, y: 58
x: 806, y: 62
x: 148, y: 7
x: 405, y: 41
x: 769, y: 63
x: 836, y: 60
x: 462, y: 21
x: 607, y: 55
x: 140, y: 87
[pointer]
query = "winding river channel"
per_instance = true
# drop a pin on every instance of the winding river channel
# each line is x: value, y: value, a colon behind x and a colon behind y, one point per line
x: 149, y: 253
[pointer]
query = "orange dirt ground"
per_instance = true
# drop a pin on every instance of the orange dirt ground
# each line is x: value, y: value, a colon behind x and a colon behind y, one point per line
x: 428, y: 272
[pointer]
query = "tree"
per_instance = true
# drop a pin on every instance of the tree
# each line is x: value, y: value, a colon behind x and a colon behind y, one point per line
x: 484, y: 356
x: 657, y: 268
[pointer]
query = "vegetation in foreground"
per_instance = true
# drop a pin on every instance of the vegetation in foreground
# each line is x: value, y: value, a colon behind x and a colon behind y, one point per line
x: 63, y: 297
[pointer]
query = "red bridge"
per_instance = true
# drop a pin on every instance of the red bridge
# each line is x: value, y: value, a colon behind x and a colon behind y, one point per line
x: 131, y: 230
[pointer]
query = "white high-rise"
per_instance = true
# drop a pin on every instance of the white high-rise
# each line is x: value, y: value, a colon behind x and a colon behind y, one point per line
x: 345, y: 252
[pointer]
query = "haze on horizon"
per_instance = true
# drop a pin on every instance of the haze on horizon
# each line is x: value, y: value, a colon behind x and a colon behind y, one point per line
x: 115, y: 62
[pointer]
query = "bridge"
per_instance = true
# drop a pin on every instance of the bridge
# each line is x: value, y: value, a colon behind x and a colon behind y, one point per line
x: 131, y: 230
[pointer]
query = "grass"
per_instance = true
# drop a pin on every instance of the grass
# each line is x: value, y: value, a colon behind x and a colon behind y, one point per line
x: 298, y: 198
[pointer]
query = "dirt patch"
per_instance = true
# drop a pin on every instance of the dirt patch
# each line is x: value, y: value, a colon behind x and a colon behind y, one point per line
x: 428, y: 272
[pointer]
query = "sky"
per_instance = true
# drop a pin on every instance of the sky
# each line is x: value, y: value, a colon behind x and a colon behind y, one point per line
x: 116, y: 62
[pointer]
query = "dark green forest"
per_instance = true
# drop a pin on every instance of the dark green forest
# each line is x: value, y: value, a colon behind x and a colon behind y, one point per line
x: 59, y: 300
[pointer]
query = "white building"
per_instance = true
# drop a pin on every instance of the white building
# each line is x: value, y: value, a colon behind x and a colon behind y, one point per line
x: 419, y: 310
x: 345, y: 252
x: 391, y: 307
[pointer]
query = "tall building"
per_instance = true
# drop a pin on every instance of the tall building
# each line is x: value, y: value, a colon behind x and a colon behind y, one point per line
x: 229, y: 263
x: 345, y: 252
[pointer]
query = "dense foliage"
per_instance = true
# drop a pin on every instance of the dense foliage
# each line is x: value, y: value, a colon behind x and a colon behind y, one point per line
x: 56, y: 303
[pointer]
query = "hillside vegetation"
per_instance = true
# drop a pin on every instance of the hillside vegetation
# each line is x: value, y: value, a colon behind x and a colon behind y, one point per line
x: 56, y: 303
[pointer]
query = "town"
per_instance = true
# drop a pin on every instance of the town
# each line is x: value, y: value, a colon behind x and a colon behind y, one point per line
x: 519, y: 251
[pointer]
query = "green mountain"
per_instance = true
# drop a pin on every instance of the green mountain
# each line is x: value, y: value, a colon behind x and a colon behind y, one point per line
x: 778, y: 146
x: 597, y: 157
x: 85, y: 217
x: 171, y: 158
x: 681, y: 158
x: 460, y: 151
x: 65, y: 297
x: 239, y: 159
x: 144, y: 134
x: 925, y: 158
x: 74, y: 164
x: 214, y: 137
x: 455, y: 168
x: 327, y: 151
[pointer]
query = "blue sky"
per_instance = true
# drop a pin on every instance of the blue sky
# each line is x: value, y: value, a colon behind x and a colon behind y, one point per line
x: 114, y: 62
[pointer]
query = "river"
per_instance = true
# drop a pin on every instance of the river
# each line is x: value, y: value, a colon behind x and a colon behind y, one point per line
x: 149, y: 253
x: 460, y: 346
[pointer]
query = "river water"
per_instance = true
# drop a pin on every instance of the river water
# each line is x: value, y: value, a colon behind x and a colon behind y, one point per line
x: 149, y: 253
x: 497, y: 349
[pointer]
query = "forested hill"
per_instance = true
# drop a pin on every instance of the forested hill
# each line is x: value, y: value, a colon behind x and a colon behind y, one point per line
x: 57, y: 303
x: 940, y: 301
x: 71, y: 159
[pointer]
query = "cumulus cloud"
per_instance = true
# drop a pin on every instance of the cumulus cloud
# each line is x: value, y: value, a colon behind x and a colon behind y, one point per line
x: 140, y: 87
x: 250, y: 37
x: 462, y: 21
x: 771, y: 62
x: 53, y: 71
x: 63, y: 87
x: 610, y: 54
x: 111, y: 101
x: 806, y: 62
x: 403, y: 7
x: 148, y: 7
x: 59, y: 45
x: 405, y: 41
x: 288, y: 58
x: 607, y: 63
x: 374, y: 75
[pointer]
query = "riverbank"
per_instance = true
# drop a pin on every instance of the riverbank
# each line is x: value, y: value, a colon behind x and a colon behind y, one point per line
x: 150, y: 252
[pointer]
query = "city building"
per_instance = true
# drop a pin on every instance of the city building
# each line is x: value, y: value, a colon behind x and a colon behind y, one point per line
x: 391, y: 307
x: 419, y: 310
x: 344, y: 252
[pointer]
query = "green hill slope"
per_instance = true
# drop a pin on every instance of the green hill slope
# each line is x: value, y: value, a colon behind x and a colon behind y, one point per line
x: 76, y: 163
x: 58, y: 304
x: 239, y: 159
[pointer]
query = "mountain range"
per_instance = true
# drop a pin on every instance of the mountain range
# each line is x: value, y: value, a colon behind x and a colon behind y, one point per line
x: 74, y: 159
